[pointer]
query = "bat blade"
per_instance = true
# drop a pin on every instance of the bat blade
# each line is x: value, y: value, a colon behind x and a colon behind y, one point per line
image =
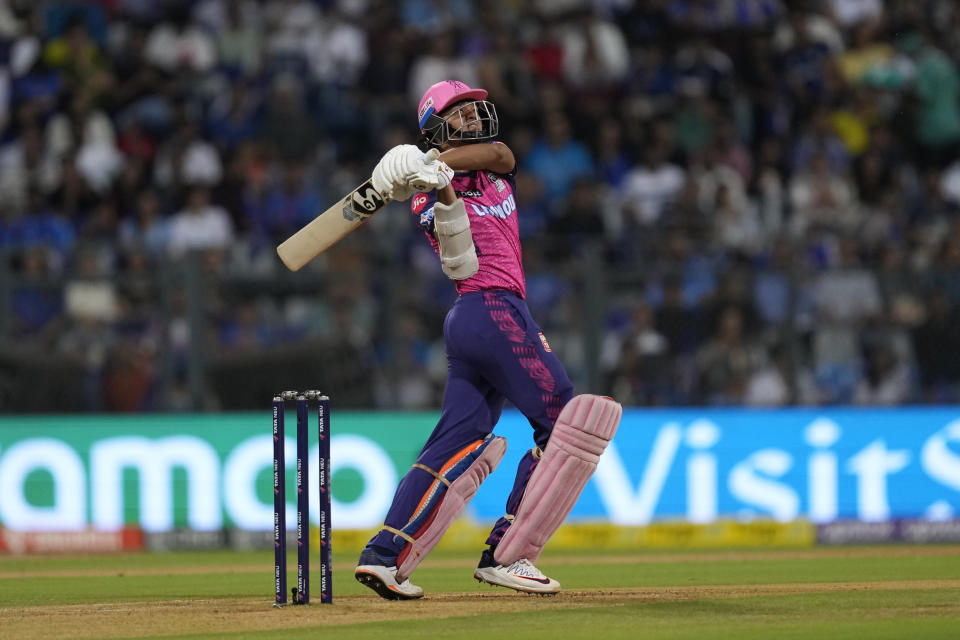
x: 329, y: 227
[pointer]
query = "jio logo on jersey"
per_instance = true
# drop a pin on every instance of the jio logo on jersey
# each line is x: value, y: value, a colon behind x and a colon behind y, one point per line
x: 419, y: 201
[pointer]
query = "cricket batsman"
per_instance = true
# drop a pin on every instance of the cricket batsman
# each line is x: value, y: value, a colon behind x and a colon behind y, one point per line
x: 463, y: 199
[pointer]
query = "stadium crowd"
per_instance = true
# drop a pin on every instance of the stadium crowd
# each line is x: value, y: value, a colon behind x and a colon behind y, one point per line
x: 772, y: 189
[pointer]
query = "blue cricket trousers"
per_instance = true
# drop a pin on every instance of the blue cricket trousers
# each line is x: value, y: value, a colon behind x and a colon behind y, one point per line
x: 495, y: 352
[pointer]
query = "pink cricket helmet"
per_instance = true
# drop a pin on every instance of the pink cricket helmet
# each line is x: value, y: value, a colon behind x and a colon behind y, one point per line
x: 435, y: 130
x: 442, y: 95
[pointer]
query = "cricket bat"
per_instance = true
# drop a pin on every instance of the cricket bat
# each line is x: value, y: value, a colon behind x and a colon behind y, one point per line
x: 329, y: 227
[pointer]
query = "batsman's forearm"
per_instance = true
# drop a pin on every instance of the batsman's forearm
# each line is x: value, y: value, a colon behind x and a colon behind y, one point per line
x: 446, y: 195
x: 495, y: 157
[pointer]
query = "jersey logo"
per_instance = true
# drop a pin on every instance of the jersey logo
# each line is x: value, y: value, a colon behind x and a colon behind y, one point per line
x: 501, y: 211
x: 419, y: 201
x: 497, y: 182
x: 543, y: 341
x: 426, y: 218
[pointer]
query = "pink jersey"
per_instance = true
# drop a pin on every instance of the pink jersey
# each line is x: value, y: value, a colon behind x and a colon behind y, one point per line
x: 492, y: 209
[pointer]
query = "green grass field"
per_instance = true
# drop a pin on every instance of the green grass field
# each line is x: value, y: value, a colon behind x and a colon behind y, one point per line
x: 842, y: 592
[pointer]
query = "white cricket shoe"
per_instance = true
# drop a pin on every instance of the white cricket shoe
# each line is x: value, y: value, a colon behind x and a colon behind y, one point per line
x: 519, y: 576
x: 383, y: 579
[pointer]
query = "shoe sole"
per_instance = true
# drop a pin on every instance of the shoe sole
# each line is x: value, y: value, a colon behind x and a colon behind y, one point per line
x: 521, y: 588
x: 373, y: 581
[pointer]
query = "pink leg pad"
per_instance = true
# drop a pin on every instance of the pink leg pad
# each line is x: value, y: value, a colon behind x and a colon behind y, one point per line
x: 458, y: 494
x: 580, y: 435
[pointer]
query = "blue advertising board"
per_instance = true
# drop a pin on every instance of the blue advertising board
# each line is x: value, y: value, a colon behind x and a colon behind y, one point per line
x: 824, y: 465
x: 207, y: 472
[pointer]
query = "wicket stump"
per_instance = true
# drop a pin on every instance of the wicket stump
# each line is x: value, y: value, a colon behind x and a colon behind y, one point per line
x: 301, y: 592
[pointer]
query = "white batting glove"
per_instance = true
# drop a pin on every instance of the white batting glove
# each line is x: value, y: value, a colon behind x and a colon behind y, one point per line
x: 432, y: 174
x: 390, y: 176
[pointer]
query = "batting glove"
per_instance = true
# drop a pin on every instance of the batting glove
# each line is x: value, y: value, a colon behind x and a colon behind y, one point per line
x: 432, y: 173
x: 391, y: 175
